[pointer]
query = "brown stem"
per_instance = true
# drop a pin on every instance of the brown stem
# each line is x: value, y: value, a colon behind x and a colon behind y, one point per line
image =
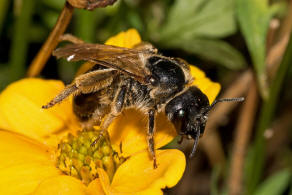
x: 274, y: 26
x: 212, y: 146
x: 279, y: 132
x: 275, y: 54
x: 71, y: 38
x: 51, y: 43
x: 244, y: 127
x: 237, y: 89
x: 211, y: 142
x: 243, y: 132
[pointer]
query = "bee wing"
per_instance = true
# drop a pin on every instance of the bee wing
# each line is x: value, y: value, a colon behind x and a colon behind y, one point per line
x: 128, y: 61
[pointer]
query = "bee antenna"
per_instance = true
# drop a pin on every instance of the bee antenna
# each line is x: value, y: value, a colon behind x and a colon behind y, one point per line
x: 240, y: 99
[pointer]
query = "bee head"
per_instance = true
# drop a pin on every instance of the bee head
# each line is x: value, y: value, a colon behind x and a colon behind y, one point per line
x: 189, y: 113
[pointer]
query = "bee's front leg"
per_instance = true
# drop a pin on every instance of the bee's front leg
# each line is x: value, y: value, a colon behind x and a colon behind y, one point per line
x: 150, y: 136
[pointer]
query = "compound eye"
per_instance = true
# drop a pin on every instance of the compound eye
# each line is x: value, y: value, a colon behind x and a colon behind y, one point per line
x: 181, y: 113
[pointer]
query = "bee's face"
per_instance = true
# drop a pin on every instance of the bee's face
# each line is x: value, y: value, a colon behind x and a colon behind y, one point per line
x: 188, y: 112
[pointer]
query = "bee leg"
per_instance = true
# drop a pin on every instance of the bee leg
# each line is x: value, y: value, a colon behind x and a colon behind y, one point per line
x: 150, y: 136
x: 180, y: 140
x: 83, y: 84
x: 121, y: 147
x: 71, y: 38
x: 146, y: 46
x: 117, y: 107
x: 69, y: 89
x: 115, y: 111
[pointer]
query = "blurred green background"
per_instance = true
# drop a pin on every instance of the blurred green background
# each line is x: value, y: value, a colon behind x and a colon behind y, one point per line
x: 225, y: 38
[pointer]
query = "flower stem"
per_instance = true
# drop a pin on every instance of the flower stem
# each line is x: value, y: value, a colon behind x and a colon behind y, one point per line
x: 39, y: 61
x: 243, y: 132
x: 84, y: 28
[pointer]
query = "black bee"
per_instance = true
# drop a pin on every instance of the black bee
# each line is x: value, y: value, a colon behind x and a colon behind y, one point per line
x: 120, y: 78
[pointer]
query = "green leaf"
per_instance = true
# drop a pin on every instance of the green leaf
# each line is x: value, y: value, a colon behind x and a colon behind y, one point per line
x: 216, y: 50
x: 195, y: 26
x: 254, y: 17
x: 275, y: 184
x: 207, y: 18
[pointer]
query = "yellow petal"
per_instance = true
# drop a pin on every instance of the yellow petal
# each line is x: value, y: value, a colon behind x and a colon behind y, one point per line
x: 137, y: 175
x: 24, y: 164
x: 95, y: 187
x: 104, y: 181
x: 209, y: 88
x: 20, y: 108
x: 126, y: 39
x: 24, y: 178
x: 62, y: 184
x: 130, y: 129
x: 17, y: 149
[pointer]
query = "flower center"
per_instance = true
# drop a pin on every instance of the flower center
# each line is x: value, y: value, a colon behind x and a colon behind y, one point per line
x: 79, y: 158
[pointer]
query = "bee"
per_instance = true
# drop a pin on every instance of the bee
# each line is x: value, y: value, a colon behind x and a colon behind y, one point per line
x: 120, y: 78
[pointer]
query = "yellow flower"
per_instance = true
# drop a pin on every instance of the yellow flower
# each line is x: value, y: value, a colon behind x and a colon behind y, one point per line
x: 28, y: 165
x: 28, y: 149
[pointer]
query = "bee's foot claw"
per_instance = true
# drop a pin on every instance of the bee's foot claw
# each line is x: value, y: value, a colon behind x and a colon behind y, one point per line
x: 102, y: 133
x: 46, y: 106
x: 94, y: 142
x: 154, y: 164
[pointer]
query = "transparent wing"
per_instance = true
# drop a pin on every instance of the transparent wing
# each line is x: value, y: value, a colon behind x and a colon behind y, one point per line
x: 128, y: 61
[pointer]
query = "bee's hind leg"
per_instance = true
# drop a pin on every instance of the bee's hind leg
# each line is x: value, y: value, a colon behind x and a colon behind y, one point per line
x: 69, y: 89
x: 116, y: 108
x: 150, y: 136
